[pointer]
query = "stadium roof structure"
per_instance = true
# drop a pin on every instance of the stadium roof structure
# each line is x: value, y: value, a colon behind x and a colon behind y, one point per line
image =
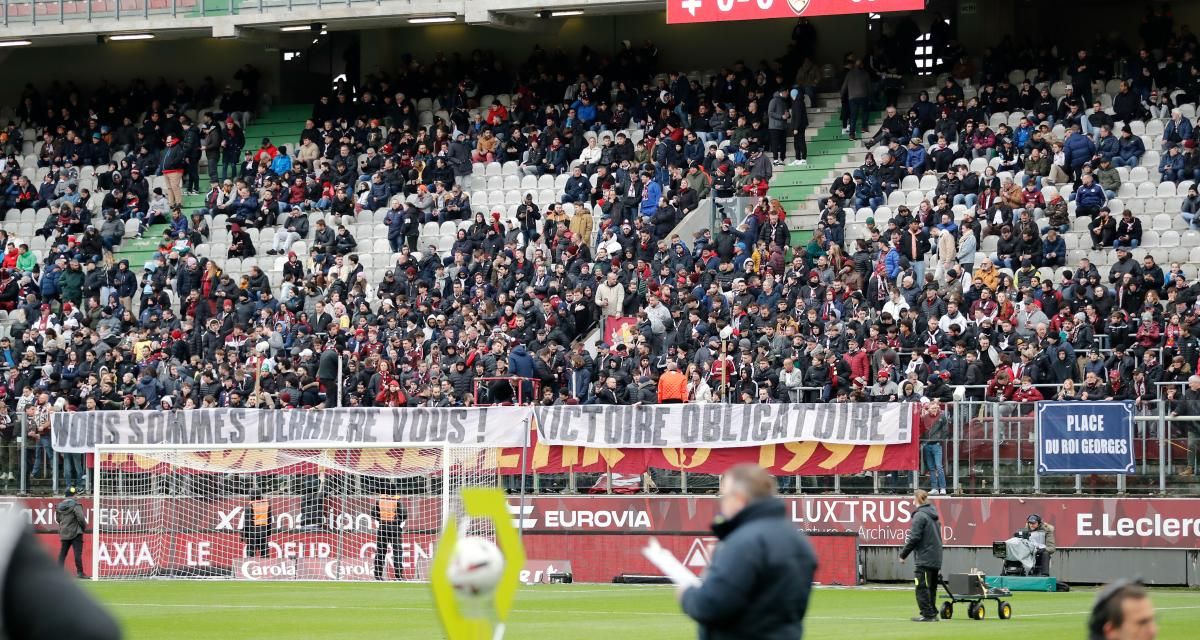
x: 65, y: 22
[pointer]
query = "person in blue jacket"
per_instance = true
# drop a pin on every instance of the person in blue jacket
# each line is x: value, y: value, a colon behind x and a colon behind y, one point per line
x: 1177, y: 130
x: 760, y: 578
x: 1054, y: 249
x: 1107, y: 144
x: 585, y: 111
x: 1078, y: 149
x: 651, y: 192
x: 891, y: 261
x: 520, y: 365
x: 1130, y: 150
x: 1088, y: 198
x: 1170, y: 168
x: 914, y: 163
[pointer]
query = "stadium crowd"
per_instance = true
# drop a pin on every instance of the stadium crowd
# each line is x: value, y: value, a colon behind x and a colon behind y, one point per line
x: 735, y: 314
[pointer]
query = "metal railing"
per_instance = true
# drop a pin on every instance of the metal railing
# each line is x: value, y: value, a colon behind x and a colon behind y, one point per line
x: 990, y: 450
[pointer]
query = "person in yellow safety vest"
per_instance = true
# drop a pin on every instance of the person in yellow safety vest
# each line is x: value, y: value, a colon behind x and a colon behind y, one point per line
x: 390, y: 514
x: 256, y: 525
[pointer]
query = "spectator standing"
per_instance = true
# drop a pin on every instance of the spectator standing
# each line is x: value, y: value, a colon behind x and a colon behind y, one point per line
x: 936, y: 431
x: 1189, y: 405
x: 777, y: 117
x: 857, y: 88
x: 672, y: 385
x: 610, y: 298
x: 174, y: 164
x: 798, y: 121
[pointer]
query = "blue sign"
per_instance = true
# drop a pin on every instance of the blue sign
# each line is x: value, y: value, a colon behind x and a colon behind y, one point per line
x: 1085, y: 437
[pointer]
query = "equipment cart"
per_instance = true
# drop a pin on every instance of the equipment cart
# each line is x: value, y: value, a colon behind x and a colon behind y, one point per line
x: 971, y: 589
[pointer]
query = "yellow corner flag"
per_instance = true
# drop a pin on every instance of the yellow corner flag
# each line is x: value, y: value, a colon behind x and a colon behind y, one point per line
x: 486, y: 504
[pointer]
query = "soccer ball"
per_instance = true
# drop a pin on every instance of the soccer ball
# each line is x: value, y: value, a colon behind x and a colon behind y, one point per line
x: 475, y: 567
x: 263, y: 346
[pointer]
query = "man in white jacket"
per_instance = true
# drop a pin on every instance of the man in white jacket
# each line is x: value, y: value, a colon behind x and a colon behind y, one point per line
x: 610, y: 297
x: 790, y: 381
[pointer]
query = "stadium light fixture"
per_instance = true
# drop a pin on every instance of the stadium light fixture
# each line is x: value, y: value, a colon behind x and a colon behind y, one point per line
x: 566, y: 14
x: 314, y: 27
x: 432, y: 20
x: 131, y: 36
x: 15, y: 43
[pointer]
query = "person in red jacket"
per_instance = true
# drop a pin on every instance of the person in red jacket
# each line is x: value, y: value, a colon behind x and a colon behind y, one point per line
x: 860, y: 363
x: 392, y: 396
x: 1000, y: 388
x: 266, y: 153
x: 1025, y: 395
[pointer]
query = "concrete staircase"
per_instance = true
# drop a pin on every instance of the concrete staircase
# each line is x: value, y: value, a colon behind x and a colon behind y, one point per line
x: 282, y: 124
x: 802, y: 190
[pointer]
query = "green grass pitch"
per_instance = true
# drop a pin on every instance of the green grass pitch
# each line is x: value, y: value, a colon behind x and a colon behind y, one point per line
x: 353, y: 611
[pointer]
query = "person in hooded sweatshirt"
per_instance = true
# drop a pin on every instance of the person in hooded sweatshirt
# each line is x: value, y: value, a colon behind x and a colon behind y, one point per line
x: 520, y: 365
x: 925, y: 545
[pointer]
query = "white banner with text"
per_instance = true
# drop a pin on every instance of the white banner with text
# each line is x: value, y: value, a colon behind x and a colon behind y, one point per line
x: 723, y: 425
x: 240, y: 428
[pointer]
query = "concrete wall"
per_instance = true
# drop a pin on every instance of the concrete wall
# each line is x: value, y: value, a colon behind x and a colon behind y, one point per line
x: 1167, y: 567
x: 683, y: 47
x: 117, y: 62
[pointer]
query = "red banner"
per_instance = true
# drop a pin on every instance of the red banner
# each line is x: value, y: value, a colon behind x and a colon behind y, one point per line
x: 320, y: 556
x: 601, y: 557
x: 599, y: 535
x: 308, y: 555
x: 692, y: 11
x: 1105, y: 523
x: 620, y: 330
x: 793, y: 458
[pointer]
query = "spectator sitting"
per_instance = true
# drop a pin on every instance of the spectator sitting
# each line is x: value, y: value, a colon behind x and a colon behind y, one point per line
x: 1128, y: 232
x: 1089, y: 198
x: 1191, y: 207
x: 1108, y: 178
x: 1102, y: 229
x: 1178, y: 129
x: 1054, y: 249
x: 1171, y: 167
x: 577, y: 188
x: 1130, y: 150
x: 915, y: 161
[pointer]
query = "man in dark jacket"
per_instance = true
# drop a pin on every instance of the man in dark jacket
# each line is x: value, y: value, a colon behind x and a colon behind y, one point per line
x: 71, y: 524
x: 799, y: 122
x: 925, y: 544
x: 327, y: 372
x: 174, y: 164
x: 190, y: 141
x: 758, y: 582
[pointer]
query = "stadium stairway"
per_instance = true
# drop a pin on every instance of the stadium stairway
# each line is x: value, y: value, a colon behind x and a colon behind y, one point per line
x: 801, y: 189
x: 282, y: 124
